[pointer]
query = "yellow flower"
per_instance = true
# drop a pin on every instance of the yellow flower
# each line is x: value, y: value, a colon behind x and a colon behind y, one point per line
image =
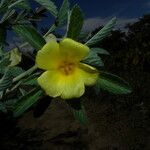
x: 65, y: 75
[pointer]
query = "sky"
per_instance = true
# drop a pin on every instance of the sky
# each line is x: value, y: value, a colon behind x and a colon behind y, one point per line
x: 119, y: 8
x: 98, y: 12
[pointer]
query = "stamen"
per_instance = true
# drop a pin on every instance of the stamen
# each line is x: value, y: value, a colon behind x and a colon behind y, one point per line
x: 66, y: 67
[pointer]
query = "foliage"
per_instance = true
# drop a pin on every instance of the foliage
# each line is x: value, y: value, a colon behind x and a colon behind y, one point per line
x: 18, y: 85
x: 26, y: 101
x: 104, y: 32
x: 112, y: 83
x: 30, y: 35
x: 49, y: 5
x: 75, y: 22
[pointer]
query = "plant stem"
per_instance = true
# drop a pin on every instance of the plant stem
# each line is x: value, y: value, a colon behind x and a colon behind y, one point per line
x: 52, y: 28
x: 28, y: 72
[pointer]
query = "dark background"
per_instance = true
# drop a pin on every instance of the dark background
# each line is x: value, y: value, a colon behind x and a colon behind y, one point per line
x: 115, y: 122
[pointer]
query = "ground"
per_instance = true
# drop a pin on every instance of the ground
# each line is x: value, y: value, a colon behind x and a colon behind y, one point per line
x: 115, y: 122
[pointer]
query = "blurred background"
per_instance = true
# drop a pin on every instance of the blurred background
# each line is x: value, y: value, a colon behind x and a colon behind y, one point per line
x: 115, y: 122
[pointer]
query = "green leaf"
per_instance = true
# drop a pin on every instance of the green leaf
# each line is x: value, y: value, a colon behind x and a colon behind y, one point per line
x: 2, y: 2
x: 83, y: 36
x: 49, y: 5
x: 104, y: 32
x: 16, y: 71
x: 26, y: 102
x: 20, y: 16
x: 6, y: 80
x: 112, y: 83
x: 15, y: 3
x: 7, y: 104
x: 4, y: 5
x: 23, y: 91
x: 63, y: 13
x: 31, y: 80
x: 93, y: 59
x: 23, y: 4
x: 100, y: 51
x: 30, y: 34
x: 62, y: 17
x: 80, y: 115
x: 15, y: 57
x: 75, y: 23
x: 7, y: 15
x: 3, y: 64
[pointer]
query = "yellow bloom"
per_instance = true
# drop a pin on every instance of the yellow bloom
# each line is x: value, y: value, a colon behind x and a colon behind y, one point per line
x: 65, y: 75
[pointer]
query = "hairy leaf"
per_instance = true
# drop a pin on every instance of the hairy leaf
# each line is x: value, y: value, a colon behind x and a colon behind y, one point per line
x: 49, y: 5
x: 100, y: 51
x: 75, y: 23
x: 4, y: 5
x: 4, y: 62
x: 93, y: 59
x: 80, y: 115
x: 31, y: 80
x: 30, y: 34
x: 6, y: 80
x: 63, y: 13
x: 104, y: 32
x: 112, y: 83
x: 23, y: 4
x: 16, y: 71
x: 26, y: 102
x: 7, y: 15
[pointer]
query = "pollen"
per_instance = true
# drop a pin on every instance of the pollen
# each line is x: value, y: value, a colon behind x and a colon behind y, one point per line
x: 66, y: 68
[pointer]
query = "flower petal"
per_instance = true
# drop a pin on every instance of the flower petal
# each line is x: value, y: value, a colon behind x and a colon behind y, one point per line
x: 72, y: 86
x: 56, y: 84
x: 73, y: 50
x: 88, y: 74
x: 48, y: 57
x: 49, y: 83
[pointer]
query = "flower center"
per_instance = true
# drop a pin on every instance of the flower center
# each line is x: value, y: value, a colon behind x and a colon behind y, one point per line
x: 66, y: 67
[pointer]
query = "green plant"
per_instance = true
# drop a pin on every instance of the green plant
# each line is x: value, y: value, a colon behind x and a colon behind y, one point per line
x: 19, y: 89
